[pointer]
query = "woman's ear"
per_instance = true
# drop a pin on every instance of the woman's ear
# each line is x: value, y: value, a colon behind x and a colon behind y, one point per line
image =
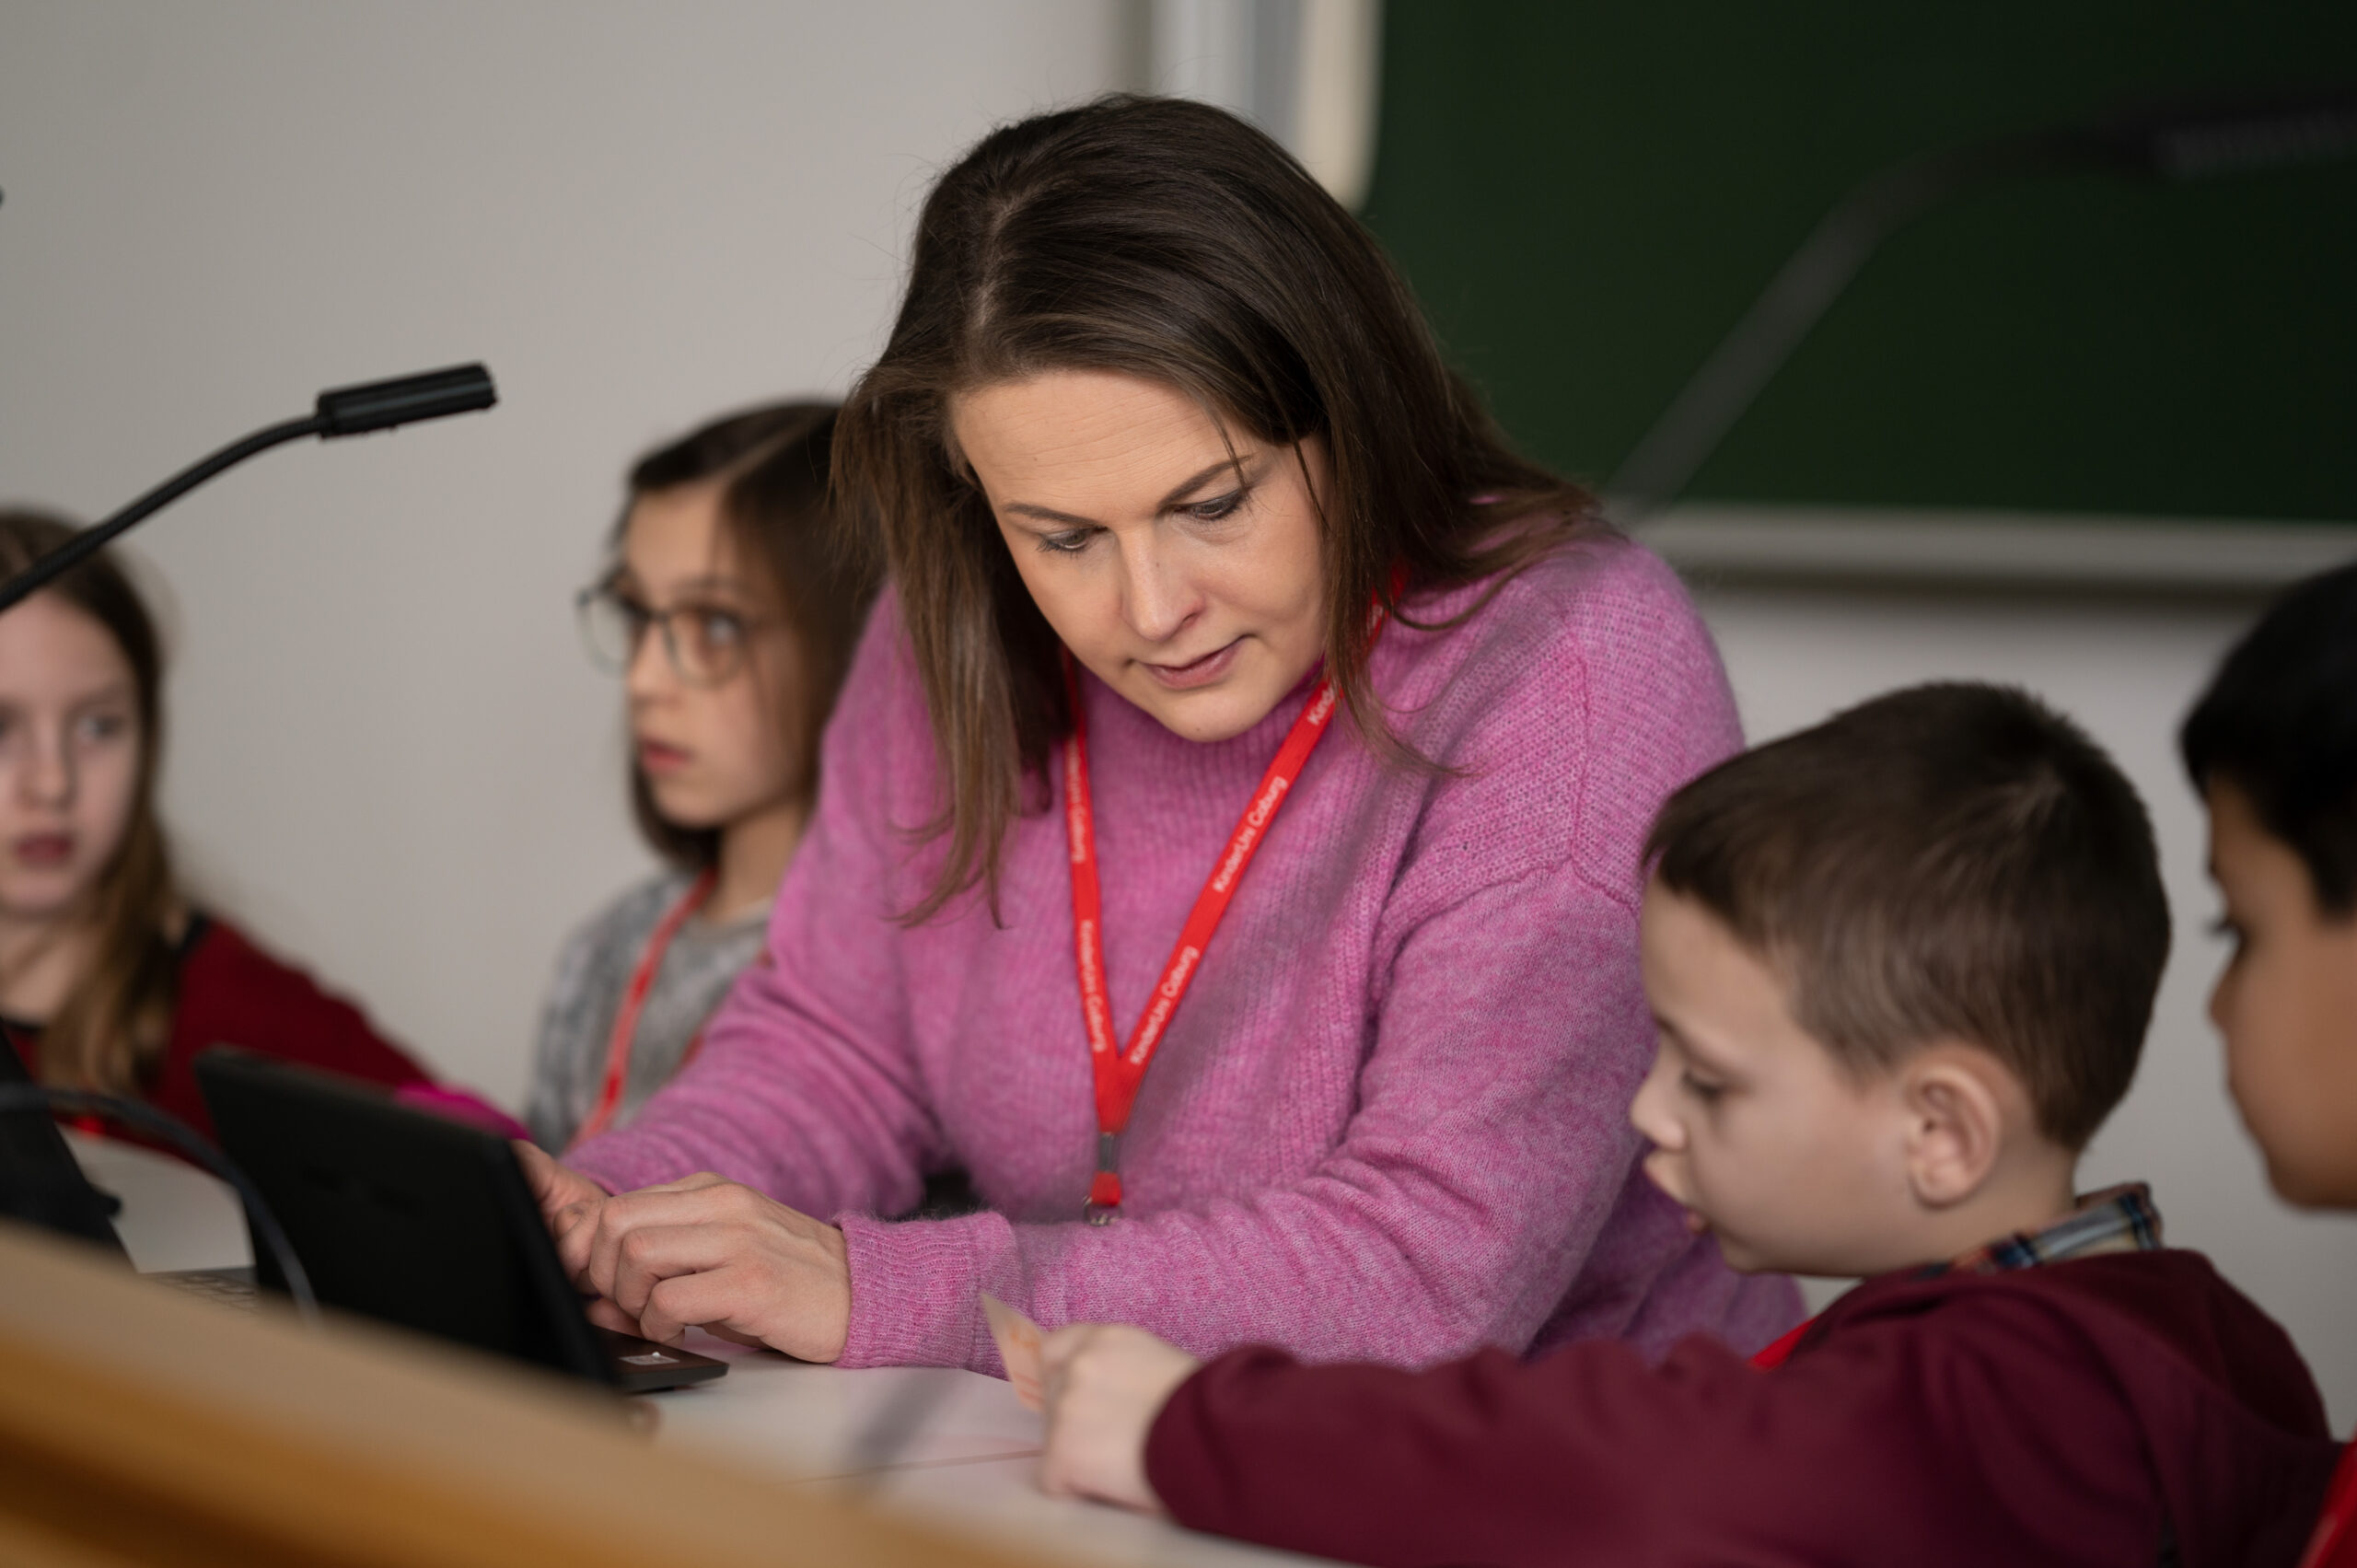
x: 1956, y: 1101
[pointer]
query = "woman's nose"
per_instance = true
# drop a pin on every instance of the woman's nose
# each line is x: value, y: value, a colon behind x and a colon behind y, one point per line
x: 1159, y: 598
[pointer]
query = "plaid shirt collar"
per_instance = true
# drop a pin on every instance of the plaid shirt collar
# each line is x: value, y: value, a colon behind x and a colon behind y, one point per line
x: 2118, y: 1219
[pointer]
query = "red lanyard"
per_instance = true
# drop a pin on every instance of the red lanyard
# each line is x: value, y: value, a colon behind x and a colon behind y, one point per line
x: 641, y: 981
x: 2329, y: 1546
x: 1119, y: 1073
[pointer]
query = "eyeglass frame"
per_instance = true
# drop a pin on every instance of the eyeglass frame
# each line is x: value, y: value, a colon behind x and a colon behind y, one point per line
x: 584, y: 607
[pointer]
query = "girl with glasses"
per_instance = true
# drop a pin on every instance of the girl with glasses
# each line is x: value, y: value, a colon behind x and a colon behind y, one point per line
x: 729, y: 611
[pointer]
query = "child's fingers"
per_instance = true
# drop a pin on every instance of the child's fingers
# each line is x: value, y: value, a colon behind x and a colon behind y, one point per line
x: 1057, y: 1353
x: 1058, y: 1349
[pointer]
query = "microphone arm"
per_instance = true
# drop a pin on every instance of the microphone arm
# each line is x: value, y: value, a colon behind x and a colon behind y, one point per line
x: 2185, y: 142
x: 340, y: 411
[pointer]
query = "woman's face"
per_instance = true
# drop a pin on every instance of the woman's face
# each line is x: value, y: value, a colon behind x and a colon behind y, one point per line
x: 69, y: 756
x: 1181, y: 567
x: 711, y: 741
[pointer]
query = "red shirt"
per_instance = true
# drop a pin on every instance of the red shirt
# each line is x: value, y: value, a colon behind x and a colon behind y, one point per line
x: 231, y: 992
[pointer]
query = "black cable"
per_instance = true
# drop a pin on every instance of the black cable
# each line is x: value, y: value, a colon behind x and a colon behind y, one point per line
x: 340, y: 411
x: 67, y: 556
x: 184, y: 1138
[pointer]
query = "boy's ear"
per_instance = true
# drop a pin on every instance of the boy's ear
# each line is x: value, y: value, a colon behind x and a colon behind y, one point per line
x: 1957, y: 1099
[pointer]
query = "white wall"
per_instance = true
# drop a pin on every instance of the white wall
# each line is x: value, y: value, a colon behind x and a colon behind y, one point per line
x: 2127, y: 668
x: 388, y: 754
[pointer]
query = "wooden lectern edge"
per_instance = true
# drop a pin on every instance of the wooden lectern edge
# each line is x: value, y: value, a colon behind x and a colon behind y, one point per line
x: 138, y: 1424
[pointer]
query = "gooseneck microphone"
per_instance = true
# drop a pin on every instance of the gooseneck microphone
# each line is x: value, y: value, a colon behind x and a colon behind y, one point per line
x: 340, y: 411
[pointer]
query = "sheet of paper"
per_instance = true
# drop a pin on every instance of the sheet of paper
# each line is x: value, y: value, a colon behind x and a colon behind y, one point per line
x: 1018, y: 1345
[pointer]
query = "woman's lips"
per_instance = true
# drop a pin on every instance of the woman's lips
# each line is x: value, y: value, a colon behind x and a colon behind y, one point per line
x: 1201, y: 672
x: 43, y: 850
x: 655, y: 757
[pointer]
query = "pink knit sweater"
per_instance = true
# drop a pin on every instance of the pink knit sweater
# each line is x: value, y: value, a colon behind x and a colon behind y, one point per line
x: 1390, y: 1120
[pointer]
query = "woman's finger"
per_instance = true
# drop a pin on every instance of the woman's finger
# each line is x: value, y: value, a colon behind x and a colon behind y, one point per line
x: 700, y: 1180
x: 653, y: 1253
x: 606, y: 1314
x: 725, y: 1301
x: 575, y: 1231
x: 619, y: 1217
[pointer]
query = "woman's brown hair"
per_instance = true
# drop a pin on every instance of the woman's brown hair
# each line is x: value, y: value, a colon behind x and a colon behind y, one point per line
x: 770, y: 463
x: 1169, y: 240
x: 117, y: 1019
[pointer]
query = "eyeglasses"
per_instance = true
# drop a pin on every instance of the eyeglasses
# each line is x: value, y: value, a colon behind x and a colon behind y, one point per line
x: 704, y: 643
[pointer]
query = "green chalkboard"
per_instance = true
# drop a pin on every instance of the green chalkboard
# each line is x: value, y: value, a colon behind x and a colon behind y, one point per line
x: 1588, y: 196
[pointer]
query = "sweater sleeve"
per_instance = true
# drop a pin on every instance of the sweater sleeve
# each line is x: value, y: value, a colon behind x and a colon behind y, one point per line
x: 1994, y: 1437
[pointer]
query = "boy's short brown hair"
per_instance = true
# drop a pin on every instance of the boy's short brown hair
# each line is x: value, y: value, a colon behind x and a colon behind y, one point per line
x: 1952, y: 861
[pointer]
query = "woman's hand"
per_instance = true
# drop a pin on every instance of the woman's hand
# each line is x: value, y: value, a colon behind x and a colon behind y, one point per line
x: 568, y: 1200
x: 708, y: 1254
x: 1106, y: 1382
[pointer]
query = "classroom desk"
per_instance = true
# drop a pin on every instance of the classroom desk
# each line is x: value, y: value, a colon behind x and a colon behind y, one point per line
x: 945, y: 1443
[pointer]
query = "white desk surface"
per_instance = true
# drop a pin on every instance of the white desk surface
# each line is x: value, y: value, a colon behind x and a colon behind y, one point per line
x: 968, y: 1458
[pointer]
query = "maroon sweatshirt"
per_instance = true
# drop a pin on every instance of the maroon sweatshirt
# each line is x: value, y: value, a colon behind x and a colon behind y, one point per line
x: 2129, y: 1407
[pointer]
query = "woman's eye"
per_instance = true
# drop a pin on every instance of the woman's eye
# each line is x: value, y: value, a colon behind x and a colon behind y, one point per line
x: 1700, y: 1088
x: 103, y: 726
x: 1219, y: 506
x: 1068, y: 543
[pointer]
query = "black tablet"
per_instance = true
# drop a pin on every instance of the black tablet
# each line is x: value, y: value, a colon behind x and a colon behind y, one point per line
x: 415, y: 1220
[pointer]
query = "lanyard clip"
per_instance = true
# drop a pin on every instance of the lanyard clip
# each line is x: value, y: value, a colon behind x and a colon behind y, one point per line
x: 1104, y: 1205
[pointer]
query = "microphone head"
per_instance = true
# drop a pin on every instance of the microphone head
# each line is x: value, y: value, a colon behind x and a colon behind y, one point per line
x: 381, y: 405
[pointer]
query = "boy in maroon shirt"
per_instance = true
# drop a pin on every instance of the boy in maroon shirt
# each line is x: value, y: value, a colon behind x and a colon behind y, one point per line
x: 2272, y: 747
x: 1902, y: 965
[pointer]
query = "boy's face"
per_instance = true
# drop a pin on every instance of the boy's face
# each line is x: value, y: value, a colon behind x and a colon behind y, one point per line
x: 2287, y: 1004
x: 1791, y: 1163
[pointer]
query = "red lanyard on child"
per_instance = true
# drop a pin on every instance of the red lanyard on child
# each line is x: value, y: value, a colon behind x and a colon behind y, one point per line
x: 1120, y: 1071
x: 2334, y: 1545
x: 641, y: 981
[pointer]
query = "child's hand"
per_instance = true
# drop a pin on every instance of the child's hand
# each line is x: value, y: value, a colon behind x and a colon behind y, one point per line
x: 1106, y: 1384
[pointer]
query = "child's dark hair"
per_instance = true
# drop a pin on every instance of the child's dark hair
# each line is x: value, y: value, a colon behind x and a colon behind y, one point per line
x: 773, y: 466
x: 2279, y: 723
x: 1953, y: 861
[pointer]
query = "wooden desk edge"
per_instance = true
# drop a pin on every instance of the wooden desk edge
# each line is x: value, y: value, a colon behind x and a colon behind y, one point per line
x: 139, y: 1425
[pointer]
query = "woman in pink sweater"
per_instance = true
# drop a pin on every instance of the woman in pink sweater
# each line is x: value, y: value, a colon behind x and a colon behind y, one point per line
x: 1331, y: 1033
